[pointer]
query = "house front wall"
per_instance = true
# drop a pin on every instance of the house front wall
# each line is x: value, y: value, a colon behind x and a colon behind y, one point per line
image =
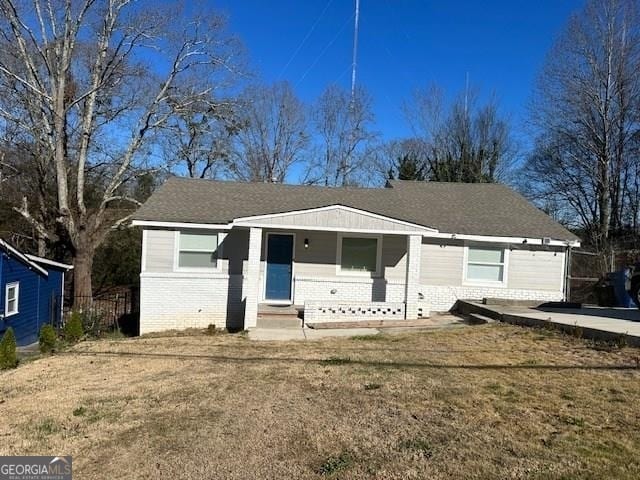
x: 532, y: 273
x: 316, y: 276
x: 173, y: 299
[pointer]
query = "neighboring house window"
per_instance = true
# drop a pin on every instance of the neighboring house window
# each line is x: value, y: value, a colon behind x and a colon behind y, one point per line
x: 485, y: 264
x: 198, y: 250
x: 359, y: 255
x: 12, y: 293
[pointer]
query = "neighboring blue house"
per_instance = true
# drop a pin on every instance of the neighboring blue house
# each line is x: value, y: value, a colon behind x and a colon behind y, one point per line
x: 31, y: 293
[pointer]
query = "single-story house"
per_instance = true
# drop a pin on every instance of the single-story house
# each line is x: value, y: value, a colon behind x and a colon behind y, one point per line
x: 215, y: 252
x: 31, y: 293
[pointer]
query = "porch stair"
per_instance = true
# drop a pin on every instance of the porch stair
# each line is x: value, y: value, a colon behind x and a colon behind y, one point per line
x: 277, y: 316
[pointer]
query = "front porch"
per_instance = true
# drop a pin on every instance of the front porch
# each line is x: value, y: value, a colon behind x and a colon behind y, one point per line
x: 317, y: 316
x: 292, y: 318
x: 331, y: 271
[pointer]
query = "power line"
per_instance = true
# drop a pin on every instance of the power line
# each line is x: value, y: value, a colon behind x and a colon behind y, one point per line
x: 306, y: 37
x: 324, y: 50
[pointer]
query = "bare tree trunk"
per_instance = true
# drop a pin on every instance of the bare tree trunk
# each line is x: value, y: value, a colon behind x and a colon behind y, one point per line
x: 42, y: 245
x: 82, y: 266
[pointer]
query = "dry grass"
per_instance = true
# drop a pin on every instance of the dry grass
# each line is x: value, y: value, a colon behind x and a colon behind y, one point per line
x: 479, y: 402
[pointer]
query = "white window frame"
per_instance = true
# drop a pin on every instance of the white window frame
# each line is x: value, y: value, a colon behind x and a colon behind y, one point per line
x: 355, y: 273
x: 486, y: 283
x: 176, y: 253
x: 8, y: 286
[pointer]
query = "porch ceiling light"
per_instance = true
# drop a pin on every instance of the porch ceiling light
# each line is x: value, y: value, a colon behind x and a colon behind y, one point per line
x: 306, y: 243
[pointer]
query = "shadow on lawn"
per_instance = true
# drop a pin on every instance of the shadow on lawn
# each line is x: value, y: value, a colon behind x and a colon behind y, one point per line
x: 350, y: 361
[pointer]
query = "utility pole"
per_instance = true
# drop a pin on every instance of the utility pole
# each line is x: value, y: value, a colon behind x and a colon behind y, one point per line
x: 352, y: 104
x: 355, y: 52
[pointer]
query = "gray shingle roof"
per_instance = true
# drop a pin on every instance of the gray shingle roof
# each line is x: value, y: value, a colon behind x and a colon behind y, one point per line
x: 473, y: 209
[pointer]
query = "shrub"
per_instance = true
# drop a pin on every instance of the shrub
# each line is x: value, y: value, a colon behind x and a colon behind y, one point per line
x: 92, y: 322
x: 47, y: 339
x: 73, y: 330
x: 8, y: 353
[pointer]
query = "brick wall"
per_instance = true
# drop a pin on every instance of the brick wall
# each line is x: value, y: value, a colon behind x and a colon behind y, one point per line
x: 442, y: 298
x: 172, y: 301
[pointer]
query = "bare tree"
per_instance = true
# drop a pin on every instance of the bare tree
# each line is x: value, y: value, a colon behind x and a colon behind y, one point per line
x: 345, y: 127
x: 88, y: 83
x: 396, y: 155
x: 587, y: 111
x: 465, y: 141
x: 198, y: 139
x: 272, y: 136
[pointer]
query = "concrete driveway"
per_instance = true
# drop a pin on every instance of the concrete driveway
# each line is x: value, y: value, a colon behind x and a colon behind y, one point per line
x: 598, y: 323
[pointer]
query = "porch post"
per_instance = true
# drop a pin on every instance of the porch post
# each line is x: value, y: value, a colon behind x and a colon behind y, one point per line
x: 253, y: 278
x: 412, y: 286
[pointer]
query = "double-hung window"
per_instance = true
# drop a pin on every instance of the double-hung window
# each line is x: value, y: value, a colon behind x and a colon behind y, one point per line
x: 12, y: 293
x: 486, y: 264
x: 359, y: 255
x: 197, y: 250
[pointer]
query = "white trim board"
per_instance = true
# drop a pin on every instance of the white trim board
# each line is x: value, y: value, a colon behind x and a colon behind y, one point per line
x: 46, y: 261
x: 207, y: 274
x: 22, y: 257
x: 511, y: 240
x: 328, y: 229
x: 204, y: 226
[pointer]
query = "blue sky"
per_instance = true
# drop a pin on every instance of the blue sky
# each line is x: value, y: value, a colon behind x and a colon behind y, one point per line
x: 403, y: 44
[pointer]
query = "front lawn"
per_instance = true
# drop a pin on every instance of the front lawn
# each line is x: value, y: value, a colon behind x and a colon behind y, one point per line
x: 480, y: 402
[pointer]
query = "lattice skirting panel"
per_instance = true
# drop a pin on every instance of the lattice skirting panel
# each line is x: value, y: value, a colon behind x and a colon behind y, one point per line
x: 352, y: 312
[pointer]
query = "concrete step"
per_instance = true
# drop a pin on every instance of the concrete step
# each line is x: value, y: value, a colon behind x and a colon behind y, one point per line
x: 278, y: 310
x: 278, y: 321
x: 467, y: 307
x: 478, y: 319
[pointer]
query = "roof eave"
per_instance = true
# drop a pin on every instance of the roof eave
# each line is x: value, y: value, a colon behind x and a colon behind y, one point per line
x: 14, y: 252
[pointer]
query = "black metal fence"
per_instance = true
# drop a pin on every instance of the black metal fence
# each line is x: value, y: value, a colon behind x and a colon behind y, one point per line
x: 116, y: 310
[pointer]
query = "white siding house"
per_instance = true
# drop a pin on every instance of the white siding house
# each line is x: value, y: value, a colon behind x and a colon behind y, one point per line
x: 346, y: 256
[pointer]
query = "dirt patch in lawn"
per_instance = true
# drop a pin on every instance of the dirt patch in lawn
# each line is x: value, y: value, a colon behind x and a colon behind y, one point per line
x: 482, y: 402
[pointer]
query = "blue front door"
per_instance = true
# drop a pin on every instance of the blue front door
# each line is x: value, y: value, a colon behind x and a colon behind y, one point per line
x: 279, y: 261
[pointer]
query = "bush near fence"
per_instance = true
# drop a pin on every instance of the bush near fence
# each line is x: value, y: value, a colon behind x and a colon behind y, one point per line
x: 107, y: 312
